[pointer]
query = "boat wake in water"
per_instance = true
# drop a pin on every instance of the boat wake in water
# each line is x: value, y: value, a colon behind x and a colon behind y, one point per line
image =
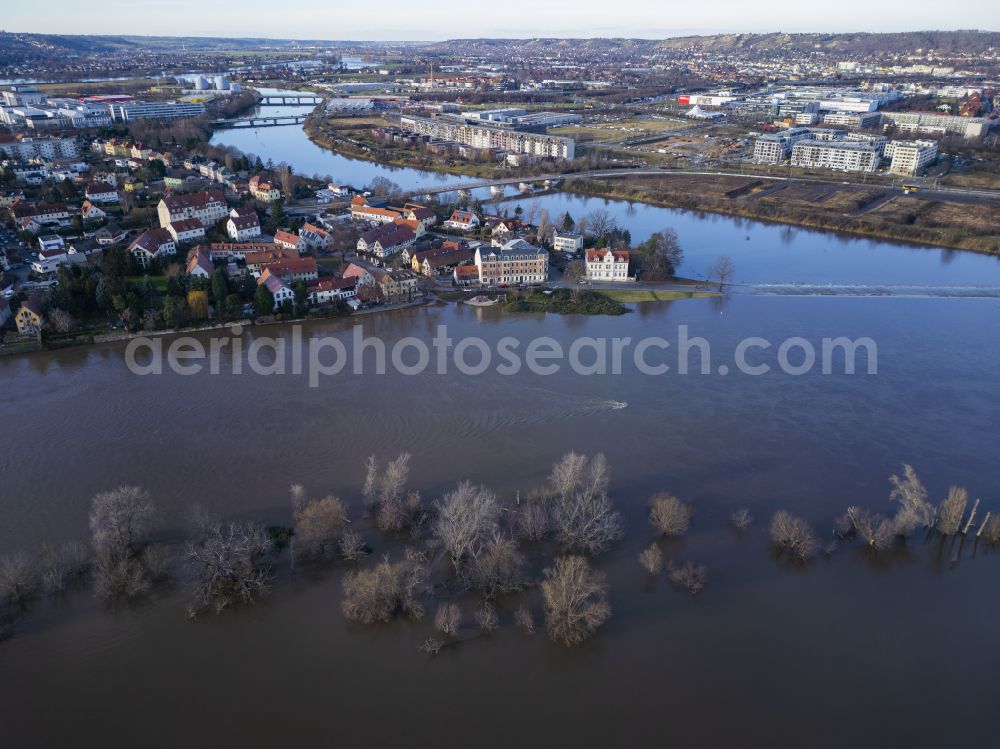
x: 943, y: 292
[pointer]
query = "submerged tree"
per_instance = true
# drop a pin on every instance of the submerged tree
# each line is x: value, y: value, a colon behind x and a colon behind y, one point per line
x: 914, y: 509
x: 119, y: 523
x: 448, y: 619
x: 583, y: 514
x: 378, y: 593
x: 876, y: 531
x: 951, y: 510
x: 229, y: 565
x: 464, y: 518
x: 18, y: 579
x: 651, y: 559
x: 318, y: 528
x: 689, y: 576
x: 669, y: 515
x: 793, y: 535
x: 495, y: 566
x: 576, y: 602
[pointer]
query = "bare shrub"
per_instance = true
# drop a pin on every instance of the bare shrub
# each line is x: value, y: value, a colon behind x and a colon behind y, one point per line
x: 531, y: 521
x: 914, y: 509
x: 583, y: 514
x: 495, y: 566
x: 230, y: 565
x: 401, y: 513
x: 464, y: 518
x: 18, y: 579
x: 297, y: 494
x: 318, y: 526
x: 576, y: 602
x: 448, y: 618
x: 651, y: 559
x: 352, y: 546
x: 63, y: 567
x: 689, y: 576
x: 378, y: 593
x: 525, y: 619
x: 383, y: 492
x: 793, y: 536
x: 669, y: 515
x: 156, y: 562
x: 486, y: 618
x: 431, y: 646
x: 951, y: 510
x: 876, y: 531
x: 119, y: 574
x: 741, y: 519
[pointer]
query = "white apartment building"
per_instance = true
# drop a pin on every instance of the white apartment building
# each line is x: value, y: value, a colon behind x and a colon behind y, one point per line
x: 481, y: 136
x: 932, y: 122
x: 853, y: 119
x: 208, y: 207
x: 774, y: 148
x: 156, y: 110
x: 567, y: 241
x: 48, y: 149
x: 910, y: 158
x: 840, y: 155
x: 607, y: 265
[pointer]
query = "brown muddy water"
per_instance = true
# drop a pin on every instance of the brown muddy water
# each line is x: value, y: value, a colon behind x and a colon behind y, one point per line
x: 895, y: 651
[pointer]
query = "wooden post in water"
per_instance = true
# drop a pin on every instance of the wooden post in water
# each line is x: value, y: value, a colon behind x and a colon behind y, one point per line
x: 983, y: 526
x: 972, y: 517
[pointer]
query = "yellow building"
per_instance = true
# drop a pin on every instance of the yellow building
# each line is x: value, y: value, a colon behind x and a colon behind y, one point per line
x: 29, y: 317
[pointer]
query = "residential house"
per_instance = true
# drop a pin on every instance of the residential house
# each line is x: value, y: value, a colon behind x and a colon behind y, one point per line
x: 465, y: 275
x: 110, y: 234
x: 262, y: 190
x: 152, y: 244
x: 101, y: 192
x: 208, y: 207
x: 49, y: 242
x: 361, y: 275
x: 48, y: 261
x: 186, y: 230
x: 607, y: 265
x: 29, y: 318
x: 289, y: 240
x: 436, y: 261
x: 516, y: 262
x: 90, y: 212
x: 255, y: 261
x: 199, y: 263
x: 386, y: 241
x: 280, y: 290
x: 340, y: 191
x: 316, y: 238
x: 364, y: 210
x: 327, y: 290
x: 292, y: 270
x: 505, y: 228
x: 230, y: 251
x: 416, y: 212
x: 9, y: 197
x: 567, y: 241
x: 462, y: 221
x: 396, y: 285
x: 243, y: 224
x: 41, y: 214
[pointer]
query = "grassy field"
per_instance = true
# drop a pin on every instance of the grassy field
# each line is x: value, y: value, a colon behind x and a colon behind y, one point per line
x: 628, y: 296
x: 615, y: 131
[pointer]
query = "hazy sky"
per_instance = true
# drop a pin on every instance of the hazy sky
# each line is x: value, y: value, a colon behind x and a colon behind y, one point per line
x: 433, y: 19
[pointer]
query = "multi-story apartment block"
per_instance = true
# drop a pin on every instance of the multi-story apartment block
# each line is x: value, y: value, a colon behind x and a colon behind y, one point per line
x: 565, y: 241
x: 840, y: 155
x: 480, y: 136
x: 933, y: 122
x: 853, y: 119
x: 911, y: 158
x: 25, y: 149
x: 516, y: 262
x: 208, y: 207
x: 155, y: 110
x: 774, y: 148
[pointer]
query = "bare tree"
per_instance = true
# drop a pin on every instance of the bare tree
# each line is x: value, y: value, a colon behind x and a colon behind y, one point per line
x: 741, y: 519
x: 495, y: 566
x: 914, y: 509
x: 448, y: 618
x: 689, y: 576
x: 297, y: 493
x: 877, y: 531
x: 18, y: 579
x: 119, y: 575
x: 793, y: 536
x: 370, y: 489
x: 486, y: 617
x: 600, y: 222
x: 584, y: 517
x: 576, y: 601
x: 378, y: 593
x: 464, y: 518
x: 669, y: 515
x: 722, y: 270
x: 120, y: 519
x: 990, y: 529
x: 318, y: 527
x: 230, y: 565
x: 525, y: 619
x: 651, y: 559
x: 951, y: 510
x: 352, y: 546
x: 531, y: 521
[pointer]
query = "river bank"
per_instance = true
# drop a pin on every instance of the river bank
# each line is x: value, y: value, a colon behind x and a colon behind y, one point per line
x: 872, y: 212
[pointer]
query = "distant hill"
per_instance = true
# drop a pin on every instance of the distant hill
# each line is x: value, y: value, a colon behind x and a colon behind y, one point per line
x: 861, y: 43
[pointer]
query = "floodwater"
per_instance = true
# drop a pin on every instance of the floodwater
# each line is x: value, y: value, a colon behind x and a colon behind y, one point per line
x: 291, y: 145
x: 895, y: 651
